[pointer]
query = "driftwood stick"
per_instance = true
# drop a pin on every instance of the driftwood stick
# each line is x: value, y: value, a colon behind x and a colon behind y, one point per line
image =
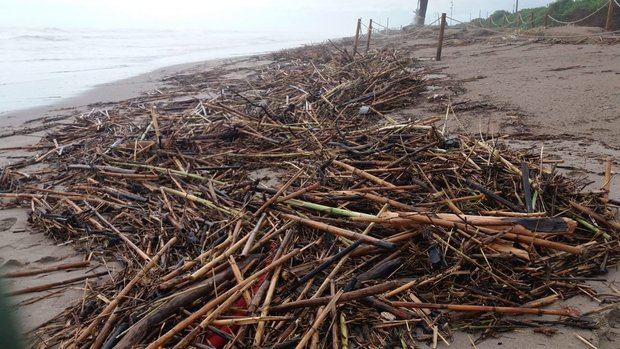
x: 332, y: 289
x: 331, y: 260
x: 123, y: 293
x: 273, y: 282
x: 252, y: 306
x: 299, y: 192
x: 612, y: 224
x: 140, y: 329
x: 493, y: 196
x: 319, y: 320
x: 341, y: 232
x: 45, y: 287
x: 424, y: 219
x: 242, y: 321
x: 217, y: 260
x: 363, y: 174
x: 272, y: 199
x: 107, y: 327
x: 527, y: 188
x: 379, y: 304
x: 120, y: 235
x: 239, y: 277
x: 187, y: 340
x: 166, y: 337
x: 65, y: 266
x: 606, y: 181
x: 190, y: 264
x: 484, y: 308
x: 346, y: 297
x: 381, y: 199
x: 415, y: 282
x: 252, y: 235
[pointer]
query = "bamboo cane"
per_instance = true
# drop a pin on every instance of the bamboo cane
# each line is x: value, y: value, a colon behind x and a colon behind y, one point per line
x: 48, y: 286
x: 483, y: 308
x: 130, y: 243
x: 319, y: 320
x: 278, y: 193
x: 341, y: 232
x: 166, y: 337
x: 122, y: 294
x: 363, y: 174
x: 346, y: 297
x: 65, y: 266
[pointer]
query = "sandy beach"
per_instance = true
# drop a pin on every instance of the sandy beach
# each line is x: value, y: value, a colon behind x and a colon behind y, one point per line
x: 526, y: 91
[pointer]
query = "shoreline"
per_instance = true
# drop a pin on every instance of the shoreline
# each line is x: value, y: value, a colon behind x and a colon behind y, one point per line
x: 122, y: 89
x: 112, y: 92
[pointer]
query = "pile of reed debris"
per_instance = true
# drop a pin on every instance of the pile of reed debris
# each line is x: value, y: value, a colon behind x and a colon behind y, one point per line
x: 297, y: 207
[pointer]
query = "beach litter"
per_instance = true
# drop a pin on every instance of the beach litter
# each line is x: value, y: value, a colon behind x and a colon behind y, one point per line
x: 292, y: 209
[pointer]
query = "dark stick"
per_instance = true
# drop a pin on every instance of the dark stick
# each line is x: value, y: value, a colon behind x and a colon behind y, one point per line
x: 346, y: 297
x: 527, y: 189
x: 493, y: 196
x: 55, y: 284
x: 331, y: 260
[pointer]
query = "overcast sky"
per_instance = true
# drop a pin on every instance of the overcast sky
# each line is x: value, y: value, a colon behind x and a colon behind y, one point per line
x: 335, y: 17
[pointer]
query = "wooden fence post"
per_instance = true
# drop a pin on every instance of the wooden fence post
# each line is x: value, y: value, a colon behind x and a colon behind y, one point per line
x: 532, y: 20
x: 442, y: 28
x: 518, y: 20
x: 357, y: 36
x: 546, y: 24
x: 369, y: 33
x: 610, y: 16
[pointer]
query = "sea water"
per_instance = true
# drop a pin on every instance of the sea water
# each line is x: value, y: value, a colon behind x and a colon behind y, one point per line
x: 41, y: 66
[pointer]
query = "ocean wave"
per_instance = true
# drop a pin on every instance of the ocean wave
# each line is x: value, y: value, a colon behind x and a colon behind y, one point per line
x: 39, y: 37
x: 90, y: 69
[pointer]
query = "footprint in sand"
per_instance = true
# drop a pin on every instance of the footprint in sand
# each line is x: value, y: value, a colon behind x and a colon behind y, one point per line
x: 48, y: 259
x: 609, y: 329
x: 11, y: 263
x: 7, y: 223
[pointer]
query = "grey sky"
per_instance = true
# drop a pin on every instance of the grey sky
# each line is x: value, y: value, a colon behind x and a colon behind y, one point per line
x: 335, y: 17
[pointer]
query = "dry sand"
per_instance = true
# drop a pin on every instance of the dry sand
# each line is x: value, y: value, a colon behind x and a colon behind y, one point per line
x: 563, y: 97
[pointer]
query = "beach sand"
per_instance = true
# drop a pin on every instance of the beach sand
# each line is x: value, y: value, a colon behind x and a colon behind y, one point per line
x: 492, y: 78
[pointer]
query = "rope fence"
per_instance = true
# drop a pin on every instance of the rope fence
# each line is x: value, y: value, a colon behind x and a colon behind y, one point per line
x: 379, y: 24
x: 520, y: 21
x: 582, y: 19
x: 400, y: 35
x: 477, y: 26
x: 603, y: 34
